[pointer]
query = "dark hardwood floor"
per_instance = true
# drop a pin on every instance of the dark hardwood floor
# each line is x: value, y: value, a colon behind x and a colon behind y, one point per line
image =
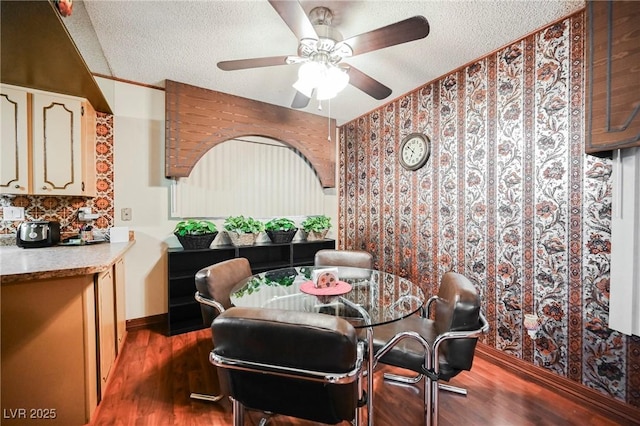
x: 155, y: 374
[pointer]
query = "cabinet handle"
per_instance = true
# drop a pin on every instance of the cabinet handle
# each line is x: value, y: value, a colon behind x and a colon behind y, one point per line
x: 17, y: 186
x: 44, y: 188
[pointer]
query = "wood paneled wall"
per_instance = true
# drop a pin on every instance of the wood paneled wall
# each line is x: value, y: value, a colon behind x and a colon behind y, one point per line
x: 198, y: 119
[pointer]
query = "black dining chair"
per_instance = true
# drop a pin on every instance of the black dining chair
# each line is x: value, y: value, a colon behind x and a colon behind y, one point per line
x: 300, y: 364
x: 355, y: 265
x: 351, y: 258
x: 214, y: 285
x: 436, y: 347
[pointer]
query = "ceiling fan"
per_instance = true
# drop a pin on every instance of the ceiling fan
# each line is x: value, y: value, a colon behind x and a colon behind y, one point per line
x: 321, y: 51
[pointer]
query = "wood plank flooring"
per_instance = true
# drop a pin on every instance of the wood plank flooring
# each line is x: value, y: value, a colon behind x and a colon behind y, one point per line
x: 155, y: 374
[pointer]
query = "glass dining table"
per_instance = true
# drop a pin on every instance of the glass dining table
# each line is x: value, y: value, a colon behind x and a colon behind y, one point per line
x: 367, y: 298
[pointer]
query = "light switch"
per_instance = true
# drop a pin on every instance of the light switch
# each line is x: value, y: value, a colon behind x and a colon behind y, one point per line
x: 13, y: 213
x: 125, y: 213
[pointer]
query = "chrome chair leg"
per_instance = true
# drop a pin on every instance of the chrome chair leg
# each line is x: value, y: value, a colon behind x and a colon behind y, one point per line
x: 454, y: 389
x: 414, y: 380
x: 238, y: 413
x: 267, y: 417
x: 205, y: 397
x: 403, y: 379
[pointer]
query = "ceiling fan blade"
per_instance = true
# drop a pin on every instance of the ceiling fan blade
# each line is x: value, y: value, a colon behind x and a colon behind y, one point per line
x: 241, y: 64
x: 410, y: 29
x: 300, y: 101
x: 367, y: 84
x: 295, y: 17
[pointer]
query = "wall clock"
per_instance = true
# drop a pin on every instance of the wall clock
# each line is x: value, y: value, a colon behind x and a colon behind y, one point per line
x: 415, y: 150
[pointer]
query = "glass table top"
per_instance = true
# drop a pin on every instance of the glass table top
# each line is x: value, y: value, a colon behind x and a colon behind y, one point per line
x: 375, y: 297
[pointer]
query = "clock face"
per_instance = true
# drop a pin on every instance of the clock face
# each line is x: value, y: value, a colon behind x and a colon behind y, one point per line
x: 414, y: 151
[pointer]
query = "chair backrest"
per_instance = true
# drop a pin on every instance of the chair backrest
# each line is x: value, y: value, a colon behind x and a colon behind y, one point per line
x: 217, y: 281
x: 352, y: 258
x: 457, y: 308
x: 271, y: 339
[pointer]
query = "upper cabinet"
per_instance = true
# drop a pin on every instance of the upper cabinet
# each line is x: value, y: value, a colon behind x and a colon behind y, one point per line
x: 14, y: 164
x: 48, y: 143
x: 613, y: 75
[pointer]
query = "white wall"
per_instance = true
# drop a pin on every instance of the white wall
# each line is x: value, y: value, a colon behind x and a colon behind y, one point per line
x: 140, y: 185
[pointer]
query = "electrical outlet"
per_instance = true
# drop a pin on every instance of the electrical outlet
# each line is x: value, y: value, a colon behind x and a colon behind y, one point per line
x: 125, y: 213
x: 13, y: 213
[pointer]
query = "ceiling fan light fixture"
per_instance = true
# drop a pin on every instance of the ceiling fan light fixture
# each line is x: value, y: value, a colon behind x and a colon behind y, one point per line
x: 303, y: 87
x: 328, y: 79
x: 335, y: 80
x: 309, y: 74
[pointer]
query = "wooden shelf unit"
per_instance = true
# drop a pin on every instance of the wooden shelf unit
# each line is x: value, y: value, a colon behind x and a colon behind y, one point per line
x: 184, y: 311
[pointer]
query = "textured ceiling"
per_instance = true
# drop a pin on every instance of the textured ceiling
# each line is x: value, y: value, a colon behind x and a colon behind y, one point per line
x: 150, y: 41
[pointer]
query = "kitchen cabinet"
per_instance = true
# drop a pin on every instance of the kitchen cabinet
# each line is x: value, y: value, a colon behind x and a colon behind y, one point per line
x: 49, y: 361
x: 59, y: 331
x: 613, y: 75
x: 184, y: 311
x: 50, y: 139
x: 13, y: 141
x: 119, y: 288
x: 106, y: 324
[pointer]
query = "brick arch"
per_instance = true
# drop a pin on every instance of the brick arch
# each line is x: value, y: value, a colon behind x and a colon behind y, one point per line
x: 198, y: 119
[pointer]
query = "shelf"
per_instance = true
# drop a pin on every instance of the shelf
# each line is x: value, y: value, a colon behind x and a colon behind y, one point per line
x: 305, y: 253
x: 183, y: 301
x: 186, y: 275
x: 184, y: 310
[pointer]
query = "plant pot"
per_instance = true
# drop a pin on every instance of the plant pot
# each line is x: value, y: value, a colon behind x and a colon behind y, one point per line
x: 242, y: 239
x: 195, y: 242
x: 282, y: 237
x: 315, y: 236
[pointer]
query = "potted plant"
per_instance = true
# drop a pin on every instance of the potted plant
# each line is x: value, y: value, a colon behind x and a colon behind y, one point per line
x: 316, y: 227
x: 195, y: 233
x: 242, y: 231
x: 281, y: 230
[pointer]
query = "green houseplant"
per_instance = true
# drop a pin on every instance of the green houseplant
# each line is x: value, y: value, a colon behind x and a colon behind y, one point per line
x: 242, y: 231
x: 281, y: 230
x: 195, y: 233
x: 316, y: 227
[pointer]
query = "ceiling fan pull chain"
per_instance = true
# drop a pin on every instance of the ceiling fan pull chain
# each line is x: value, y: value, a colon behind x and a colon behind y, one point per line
x: 329, y: 122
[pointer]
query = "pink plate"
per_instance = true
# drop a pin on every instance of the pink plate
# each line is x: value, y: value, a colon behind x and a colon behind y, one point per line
x: 340, y: 288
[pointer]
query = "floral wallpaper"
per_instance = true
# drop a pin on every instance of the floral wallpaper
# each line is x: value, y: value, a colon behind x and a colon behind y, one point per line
x: 64, y: 208
x: 507, y: 198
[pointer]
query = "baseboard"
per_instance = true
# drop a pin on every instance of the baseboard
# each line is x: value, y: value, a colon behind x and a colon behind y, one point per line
x: 609, y: 407
x: 146, y: 322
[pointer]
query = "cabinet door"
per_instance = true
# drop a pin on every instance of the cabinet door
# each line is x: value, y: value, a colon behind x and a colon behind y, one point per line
x: 106, y: 321
x: 89, y: 150
x: 57, y: 145
x: 121, y: 329
x: 14, y: 163
x: 613, y: 75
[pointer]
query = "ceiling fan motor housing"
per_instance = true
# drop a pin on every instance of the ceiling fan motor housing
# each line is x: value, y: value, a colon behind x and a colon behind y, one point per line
x: 327, y: 47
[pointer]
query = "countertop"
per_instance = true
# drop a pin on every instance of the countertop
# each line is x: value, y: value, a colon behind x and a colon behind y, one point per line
x: 19, y: 264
